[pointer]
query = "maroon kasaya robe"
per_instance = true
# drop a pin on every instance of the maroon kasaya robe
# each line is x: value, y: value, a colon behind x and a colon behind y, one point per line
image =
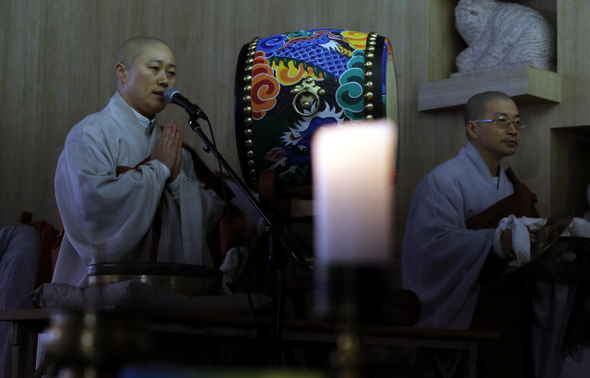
x: 504, y: 303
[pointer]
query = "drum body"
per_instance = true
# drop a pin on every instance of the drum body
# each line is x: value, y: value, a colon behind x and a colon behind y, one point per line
x: 191, y: 280
x: 290, y: 85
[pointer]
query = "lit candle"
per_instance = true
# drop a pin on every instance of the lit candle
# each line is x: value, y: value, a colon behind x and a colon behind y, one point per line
x: 353, y: 194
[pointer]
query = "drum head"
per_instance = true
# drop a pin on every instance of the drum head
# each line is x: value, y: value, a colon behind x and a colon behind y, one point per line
x: 290, y: 85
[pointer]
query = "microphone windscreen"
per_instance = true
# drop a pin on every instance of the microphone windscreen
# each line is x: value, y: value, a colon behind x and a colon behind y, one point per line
x: 169, y: 93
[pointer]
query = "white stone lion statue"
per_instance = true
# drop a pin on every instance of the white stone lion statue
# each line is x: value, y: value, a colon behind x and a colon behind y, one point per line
x: 501, y: 35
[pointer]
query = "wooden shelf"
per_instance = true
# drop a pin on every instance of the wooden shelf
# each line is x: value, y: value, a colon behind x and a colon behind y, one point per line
x: 525, y: 84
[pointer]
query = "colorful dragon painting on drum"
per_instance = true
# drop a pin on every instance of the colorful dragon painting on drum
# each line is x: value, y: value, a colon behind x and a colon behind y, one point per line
x: 290, y: 85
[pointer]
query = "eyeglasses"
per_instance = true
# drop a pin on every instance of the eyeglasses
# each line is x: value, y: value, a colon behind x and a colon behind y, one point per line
x: 505, y: 123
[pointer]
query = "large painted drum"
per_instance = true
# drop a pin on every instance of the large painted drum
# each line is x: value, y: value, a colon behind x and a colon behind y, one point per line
x: 290, y: 85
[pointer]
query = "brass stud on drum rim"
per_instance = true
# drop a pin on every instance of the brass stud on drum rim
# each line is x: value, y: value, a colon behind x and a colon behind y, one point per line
x: 247, y: 99
x: 368, y: 86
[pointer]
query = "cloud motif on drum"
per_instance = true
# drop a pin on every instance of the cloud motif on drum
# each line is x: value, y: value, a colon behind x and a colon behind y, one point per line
x: 265, y: 87
x: 296, y: 148
x: 350, y: 93
x: 269, y: 44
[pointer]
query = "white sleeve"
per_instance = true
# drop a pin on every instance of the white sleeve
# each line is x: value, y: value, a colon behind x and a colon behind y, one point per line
x: 105, y: 216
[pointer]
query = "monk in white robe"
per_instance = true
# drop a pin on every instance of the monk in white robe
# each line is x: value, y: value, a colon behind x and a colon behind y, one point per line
x: 117, y: 169
x: 126, y: 189
x: 451, y: 247
x: 442, y: 258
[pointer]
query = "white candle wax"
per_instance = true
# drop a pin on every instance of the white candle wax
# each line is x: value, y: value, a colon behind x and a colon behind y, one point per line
x: 352, y: 181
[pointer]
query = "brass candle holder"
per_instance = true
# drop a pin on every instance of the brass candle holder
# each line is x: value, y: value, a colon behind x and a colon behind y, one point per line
x: 350, y: 296
x: 94, y: 343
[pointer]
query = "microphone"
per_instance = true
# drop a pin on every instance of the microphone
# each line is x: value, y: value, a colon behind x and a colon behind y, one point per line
x: 173, y: 96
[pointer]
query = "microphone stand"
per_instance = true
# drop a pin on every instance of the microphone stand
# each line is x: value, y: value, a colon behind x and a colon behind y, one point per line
x: 274, y: 231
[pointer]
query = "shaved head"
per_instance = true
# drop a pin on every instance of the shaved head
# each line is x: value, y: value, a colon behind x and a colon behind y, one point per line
x: 477, y: 105
x: 133, y: 48
x: 145, y: 68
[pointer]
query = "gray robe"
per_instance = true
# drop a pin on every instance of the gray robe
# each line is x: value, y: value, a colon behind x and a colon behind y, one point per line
x: 107, y: 218
x: 441, y: 258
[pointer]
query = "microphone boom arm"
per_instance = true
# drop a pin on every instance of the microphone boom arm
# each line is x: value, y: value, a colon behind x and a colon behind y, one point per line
x: 279, y: 233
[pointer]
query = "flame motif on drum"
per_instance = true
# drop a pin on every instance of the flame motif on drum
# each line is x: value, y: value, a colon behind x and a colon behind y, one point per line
x: 356, y: 40
x: 292, y: 75
x: 265, y: 87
